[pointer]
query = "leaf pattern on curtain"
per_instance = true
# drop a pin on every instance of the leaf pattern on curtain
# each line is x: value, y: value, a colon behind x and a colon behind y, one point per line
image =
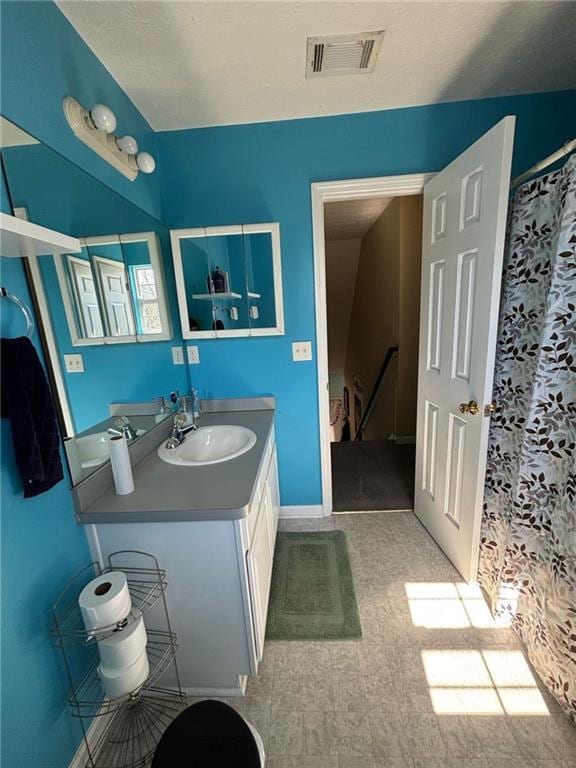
x: 528, y: 544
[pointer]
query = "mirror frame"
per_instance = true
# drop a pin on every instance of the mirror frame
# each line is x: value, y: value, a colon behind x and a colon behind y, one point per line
x: 156, y: 262
x: 272, y: 228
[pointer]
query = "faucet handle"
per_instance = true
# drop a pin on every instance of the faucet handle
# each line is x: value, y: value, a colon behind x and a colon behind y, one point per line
x: 196, y: 402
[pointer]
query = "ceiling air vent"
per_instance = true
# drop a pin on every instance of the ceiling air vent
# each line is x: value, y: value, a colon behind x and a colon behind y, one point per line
x: 342, y: 54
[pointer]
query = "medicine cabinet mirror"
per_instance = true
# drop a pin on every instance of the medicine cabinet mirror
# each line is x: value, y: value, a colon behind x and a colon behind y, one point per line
x: 114, y: 290
x: 229, y: 280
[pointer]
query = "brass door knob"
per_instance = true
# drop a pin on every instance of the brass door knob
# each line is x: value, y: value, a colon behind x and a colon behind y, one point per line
x: 472, y: 408
x: 490, y: 408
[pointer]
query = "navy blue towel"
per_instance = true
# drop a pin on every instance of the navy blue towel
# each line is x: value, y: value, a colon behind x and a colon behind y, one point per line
x: 27, y: 402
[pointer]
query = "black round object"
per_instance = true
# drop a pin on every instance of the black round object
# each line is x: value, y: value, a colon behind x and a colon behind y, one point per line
x: 209, y: 734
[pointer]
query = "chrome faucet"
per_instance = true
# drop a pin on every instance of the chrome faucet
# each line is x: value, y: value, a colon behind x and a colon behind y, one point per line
x: 179, y: 431
x: 190, y: 406
x: 122, y: 428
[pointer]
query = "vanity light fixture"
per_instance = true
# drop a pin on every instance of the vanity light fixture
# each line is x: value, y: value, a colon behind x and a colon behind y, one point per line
x: 95, y: 127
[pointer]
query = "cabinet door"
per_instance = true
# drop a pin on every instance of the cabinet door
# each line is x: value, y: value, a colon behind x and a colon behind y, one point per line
x: 259, y: 560
x: 274, y: 495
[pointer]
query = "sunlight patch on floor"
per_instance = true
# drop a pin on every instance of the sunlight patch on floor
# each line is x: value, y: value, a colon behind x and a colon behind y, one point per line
x: 448, y: 605
x: 474, y: 682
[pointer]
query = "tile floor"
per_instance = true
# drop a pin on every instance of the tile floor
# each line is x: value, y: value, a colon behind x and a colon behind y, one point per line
x: 432, y: 684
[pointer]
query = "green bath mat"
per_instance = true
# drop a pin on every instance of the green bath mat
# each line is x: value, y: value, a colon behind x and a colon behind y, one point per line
x: 312, y: 593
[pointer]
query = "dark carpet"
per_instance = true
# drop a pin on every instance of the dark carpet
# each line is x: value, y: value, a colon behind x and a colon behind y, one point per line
x: 377, y: 474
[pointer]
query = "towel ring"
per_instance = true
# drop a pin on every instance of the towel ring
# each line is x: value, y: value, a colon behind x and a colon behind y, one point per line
x: 5, y: 294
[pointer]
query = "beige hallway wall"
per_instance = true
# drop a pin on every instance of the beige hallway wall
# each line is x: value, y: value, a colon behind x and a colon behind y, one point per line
x: 342, y: 258
x: 384, y: 314
x: 410, y: 264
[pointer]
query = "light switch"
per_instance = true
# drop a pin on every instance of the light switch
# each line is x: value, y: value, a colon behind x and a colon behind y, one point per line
x: 74, y: 363
x: 301, y: 350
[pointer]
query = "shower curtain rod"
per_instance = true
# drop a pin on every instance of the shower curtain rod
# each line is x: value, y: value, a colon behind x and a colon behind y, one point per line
x: 570, y: 146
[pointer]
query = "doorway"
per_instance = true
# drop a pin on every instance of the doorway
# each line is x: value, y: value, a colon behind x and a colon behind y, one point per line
x: 373, y: 250
x: 352, y: 396
x: 464, y: 222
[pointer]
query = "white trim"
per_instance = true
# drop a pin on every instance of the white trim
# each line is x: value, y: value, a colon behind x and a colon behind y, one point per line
x: 323, y: 192
x: 93, y: 734
x: 44, y: 312
x: 20, y: 238
x: 215, y: 693
x: 371, y: 511
x: 291, y: 512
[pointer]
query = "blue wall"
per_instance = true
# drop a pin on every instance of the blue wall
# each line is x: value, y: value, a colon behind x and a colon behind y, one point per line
x: 42, y: 547
x: 262, y: 172
x: 42, y: 60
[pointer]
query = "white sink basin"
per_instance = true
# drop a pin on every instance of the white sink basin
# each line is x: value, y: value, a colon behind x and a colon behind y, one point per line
x: 92, y: 450
x: 209, y: 445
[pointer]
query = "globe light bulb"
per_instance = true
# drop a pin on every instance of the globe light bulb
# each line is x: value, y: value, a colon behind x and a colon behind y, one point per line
x: 145, y: 162
x: 103, y: 118
x: 127, y: 144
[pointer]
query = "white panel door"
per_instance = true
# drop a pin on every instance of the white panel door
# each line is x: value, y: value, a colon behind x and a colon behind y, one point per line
x: 116, y: 296
x: 465, y: 208
x: 87, y: 299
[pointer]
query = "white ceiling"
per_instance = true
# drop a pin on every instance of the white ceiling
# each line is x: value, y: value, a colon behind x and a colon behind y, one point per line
x: 12, y: 136
x: 189, y: 64
x: 349, y: 219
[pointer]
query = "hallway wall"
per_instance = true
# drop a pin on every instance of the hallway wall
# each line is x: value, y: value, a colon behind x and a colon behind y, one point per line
x: 342, y: 257
x: 410, y: 268
x: 374, y: 322
x: 385, y: 313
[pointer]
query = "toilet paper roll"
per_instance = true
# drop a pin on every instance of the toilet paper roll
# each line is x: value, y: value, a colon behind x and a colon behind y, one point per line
x: 124, y: 647
x: 120, y: 682
x: 105, y: 601
x: 121, y: 467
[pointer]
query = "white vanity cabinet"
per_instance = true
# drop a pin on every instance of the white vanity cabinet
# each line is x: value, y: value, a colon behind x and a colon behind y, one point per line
x: 219, y: 573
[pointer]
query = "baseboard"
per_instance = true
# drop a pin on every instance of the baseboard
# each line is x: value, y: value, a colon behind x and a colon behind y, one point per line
x: 93, y: 734
x: 217, y: 693
x: 405, y: 439
x: 370, y: 511
x: 290, y: 512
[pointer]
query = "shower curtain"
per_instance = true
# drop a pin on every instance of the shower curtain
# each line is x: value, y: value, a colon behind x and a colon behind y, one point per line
x: 528, y: 543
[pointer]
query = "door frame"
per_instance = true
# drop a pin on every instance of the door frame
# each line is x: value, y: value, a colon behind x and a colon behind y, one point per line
x: 327, y: 192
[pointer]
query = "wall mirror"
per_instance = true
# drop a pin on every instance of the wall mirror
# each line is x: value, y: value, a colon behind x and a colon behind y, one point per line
x: 229, y: 280
x: 98, y: 305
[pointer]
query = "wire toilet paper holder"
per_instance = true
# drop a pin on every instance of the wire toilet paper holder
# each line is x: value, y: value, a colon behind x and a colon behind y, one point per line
x: 132, y: 725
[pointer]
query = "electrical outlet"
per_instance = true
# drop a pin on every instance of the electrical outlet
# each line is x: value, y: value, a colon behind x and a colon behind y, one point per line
x: 74, y: 363
x: 193, y: 356
x: 301, y: 350
x: 178, y: 355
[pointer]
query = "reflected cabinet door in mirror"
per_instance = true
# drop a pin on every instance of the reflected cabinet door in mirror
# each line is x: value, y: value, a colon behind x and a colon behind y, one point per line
x: 114, y: 291
x: 229, y: 280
